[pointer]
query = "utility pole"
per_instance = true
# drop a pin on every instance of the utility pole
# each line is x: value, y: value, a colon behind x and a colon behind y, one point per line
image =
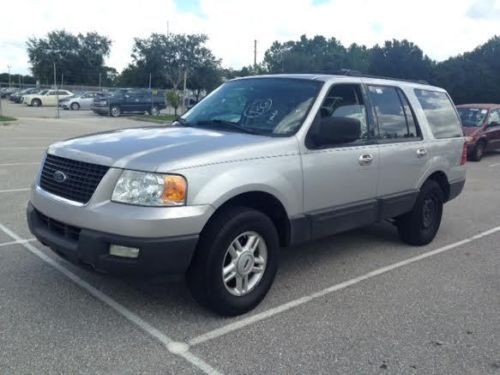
x: 99, y: 81
x: 151, y: 92
x: 8, y: 68
x: 168, y: 28
x: 255, y: 54
x: 184, y: 92
x: 57, y: 92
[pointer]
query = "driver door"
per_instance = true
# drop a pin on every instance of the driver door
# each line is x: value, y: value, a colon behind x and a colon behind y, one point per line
x: 492, y: 130
x: 340, y: 180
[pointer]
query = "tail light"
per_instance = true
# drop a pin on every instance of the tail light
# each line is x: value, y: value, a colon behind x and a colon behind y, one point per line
x: 463, y: 159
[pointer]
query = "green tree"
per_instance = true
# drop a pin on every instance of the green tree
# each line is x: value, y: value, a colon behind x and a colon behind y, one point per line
x: 400, y: 59
x: 80, y: 58
x: 205, y: 78
x: 174, y: 100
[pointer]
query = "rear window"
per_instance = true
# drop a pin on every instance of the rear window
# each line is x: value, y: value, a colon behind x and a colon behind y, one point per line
x: 440, y: 113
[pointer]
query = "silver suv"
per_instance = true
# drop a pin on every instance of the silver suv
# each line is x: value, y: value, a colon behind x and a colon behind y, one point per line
x: 262, y: 163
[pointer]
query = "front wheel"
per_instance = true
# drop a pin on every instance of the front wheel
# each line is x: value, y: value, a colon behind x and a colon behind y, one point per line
x: 75, y: 106
x: 36, y: 103
x: 478, y: 151
x: 419, y: 226
x: 115, y: 111
x: 235, y: 262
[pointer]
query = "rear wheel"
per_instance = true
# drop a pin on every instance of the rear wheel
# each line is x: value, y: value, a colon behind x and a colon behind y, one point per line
x: 36, y: 103
x: 115, y: 111
x: 419, y: 226
x: 478, y: 151
x: 155, y: 111
x: 75, y: 106
x: 235, y: 262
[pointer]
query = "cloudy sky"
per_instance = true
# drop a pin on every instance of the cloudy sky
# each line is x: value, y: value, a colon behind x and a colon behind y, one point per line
x: 442, y: 28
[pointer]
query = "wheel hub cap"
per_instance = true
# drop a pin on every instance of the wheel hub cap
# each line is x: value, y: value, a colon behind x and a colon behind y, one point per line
x: 244, y: 263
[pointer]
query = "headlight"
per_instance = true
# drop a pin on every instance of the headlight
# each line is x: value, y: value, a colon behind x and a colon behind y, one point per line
x: 150, y: 189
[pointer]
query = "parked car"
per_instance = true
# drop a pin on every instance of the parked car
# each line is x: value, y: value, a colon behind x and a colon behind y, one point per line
x: 261, y: 163
x: 6, y: 91
x: 79, y: 101
x: 16, y: 97
x: 46, y: 98
x: 481, y: 123
x: 129, y: 101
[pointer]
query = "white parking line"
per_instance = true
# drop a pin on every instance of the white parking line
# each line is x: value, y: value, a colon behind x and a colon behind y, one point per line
x: 176, y: 348
x: 21, y: 147
x: 16, y: 164
x: 302, y: 300
x: 16, y: 242
x: 494, y: 165
x: 14, y: 190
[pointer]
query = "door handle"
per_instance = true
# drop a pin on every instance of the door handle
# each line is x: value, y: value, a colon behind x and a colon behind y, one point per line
x: 421, y: 152
x: 365, y: 159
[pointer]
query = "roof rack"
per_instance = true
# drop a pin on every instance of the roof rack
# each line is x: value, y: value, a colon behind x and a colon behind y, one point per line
x: 356, y: 73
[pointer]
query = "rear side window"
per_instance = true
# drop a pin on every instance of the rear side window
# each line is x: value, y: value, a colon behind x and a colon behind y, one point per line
x: 440, y: 113
x: 395, y: 117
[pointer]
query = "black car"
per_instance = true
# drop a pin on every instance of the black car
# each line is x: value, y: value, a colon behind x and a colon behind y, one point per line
x: 129, y: 101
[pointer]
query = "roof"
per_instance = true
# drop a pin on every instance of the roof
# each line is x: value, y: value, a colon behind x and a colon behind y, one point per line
x: 350, y: 77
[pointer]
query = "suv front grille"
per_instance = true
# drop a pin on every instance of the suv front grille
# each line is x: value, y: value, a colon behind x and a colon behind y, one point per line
x: 78, y: 179
x: 65, y: 230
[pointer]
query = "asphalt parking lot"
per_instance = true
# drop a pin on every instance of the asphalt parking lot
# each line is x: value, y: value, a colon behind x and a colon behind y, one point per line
x: 358, y: 303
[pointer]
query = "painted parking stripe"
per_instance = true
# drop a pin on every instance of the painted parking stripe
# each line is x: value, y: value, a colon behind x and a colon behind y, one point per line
x: 22, y: 147
x: 242, y: 323
x: 14, y: 190
x: 176, y: 348
x: 494, y: 165
x: 16, y: 242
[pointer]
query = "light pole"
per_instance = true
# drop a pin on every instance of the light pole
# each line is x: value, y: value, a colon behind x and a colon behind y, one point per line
x: 8, y: 69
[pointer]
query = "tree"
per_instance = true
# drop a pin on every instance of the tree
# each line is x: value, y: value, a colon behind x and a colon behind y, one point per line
x: 400, y: 59
x: 169, y: 58
x: 174, y: 99
x: 205, y: 78
x: 80, y: 58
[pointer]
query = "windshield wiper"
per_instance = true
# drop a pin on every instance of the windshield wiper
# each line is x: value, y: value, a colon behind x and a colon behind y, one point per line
x: 181, y: 121
x: 228, y: 125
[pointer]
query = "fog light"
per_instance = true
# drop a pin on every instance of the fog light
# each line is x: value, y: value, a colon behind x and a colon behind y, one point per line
x: 123, y: 251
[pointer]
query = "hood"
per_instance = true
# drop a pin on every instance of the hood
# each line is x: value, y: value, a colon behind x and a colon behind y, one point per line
x: 166, y: 149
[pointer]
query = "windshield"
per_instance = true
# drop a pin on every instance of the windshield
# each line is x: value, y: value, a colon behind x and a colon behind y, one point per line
x: 472, y: 117
x: 268, y: 106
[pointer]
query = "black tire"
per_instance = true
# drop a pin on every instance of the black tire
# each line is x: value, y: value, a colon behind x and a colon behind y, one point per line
x: 204, y: 276
x: 478, y: 151
x: 115, y: 111
x: 75, y: 106
x: 36, y: 103
x: 419, y: 226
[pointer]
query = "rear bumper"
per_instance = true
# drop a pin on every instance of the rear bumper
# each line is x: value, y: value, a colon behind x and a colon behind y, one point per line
x: 157, y: 256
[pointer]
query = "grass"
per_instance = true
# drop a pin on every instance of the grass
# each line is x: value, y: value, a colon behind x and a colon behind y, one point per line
x: 5, y: 119
x: 161, y: 119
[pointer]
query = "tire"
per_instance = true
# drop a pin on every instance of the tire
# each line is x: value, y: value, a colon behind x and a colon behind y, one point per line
x: 478, y: 151
x: 36, y: 103
x: 75, y: 106
x: 115, y: 111
x: 419, y: 226
x: 155, y: 111
x: 234, y: 225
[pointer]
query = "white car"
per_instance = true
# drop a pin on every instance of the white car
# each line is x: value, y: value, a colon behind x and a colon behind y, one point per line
x: 46, y: 98
x: 83, y: 101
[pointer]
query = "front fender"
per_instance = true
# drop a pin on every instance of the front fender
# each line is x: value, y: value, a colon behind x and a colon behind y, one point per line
x: 278, y: 176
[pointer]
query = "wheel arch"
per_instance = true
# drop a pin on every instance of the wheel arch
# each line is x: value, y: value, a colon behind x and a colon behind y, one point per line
x: 443, y: 182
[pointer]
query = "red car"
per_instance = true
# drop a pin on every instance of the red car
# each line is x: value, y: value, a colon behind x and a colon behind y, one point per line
x: 481, y: 123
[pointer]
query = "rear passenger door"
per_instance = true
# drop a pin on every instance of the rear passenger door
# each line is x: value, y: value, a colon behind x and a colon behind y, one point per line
x: 403, y: 154
x: 340, y: 180
x: 493, y: 129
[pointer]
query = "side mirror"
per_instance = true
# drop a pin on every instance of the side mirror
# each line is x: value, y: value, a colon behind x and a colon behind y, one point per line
x: 493, y: 124
x: 337, y: 130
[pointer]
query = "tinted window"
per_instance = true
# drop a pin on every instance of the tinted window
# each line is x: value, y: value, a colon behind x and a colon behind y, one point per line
x: 394, y: 115
x: 440, y: 113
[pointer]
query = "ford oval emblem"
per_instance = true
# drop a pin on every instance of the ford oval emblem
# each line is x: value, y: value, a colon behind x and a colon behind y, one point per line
x: 60, y: 177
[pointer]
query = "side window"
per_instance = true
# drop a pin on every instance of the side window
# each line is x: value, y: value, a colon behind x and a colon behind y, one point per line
x: 494, y: 117
x: 395, y: 117
x: 51, y: 93
x: 440, y: 113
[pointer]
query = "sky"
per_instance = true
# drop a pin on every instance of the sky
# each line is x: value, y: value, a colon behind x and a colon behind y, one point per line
x: 442, y: 28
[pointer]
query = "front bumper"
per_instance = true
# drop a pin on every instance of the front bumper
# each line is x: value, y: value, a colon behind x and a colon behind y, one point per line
x: 157, y: 256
